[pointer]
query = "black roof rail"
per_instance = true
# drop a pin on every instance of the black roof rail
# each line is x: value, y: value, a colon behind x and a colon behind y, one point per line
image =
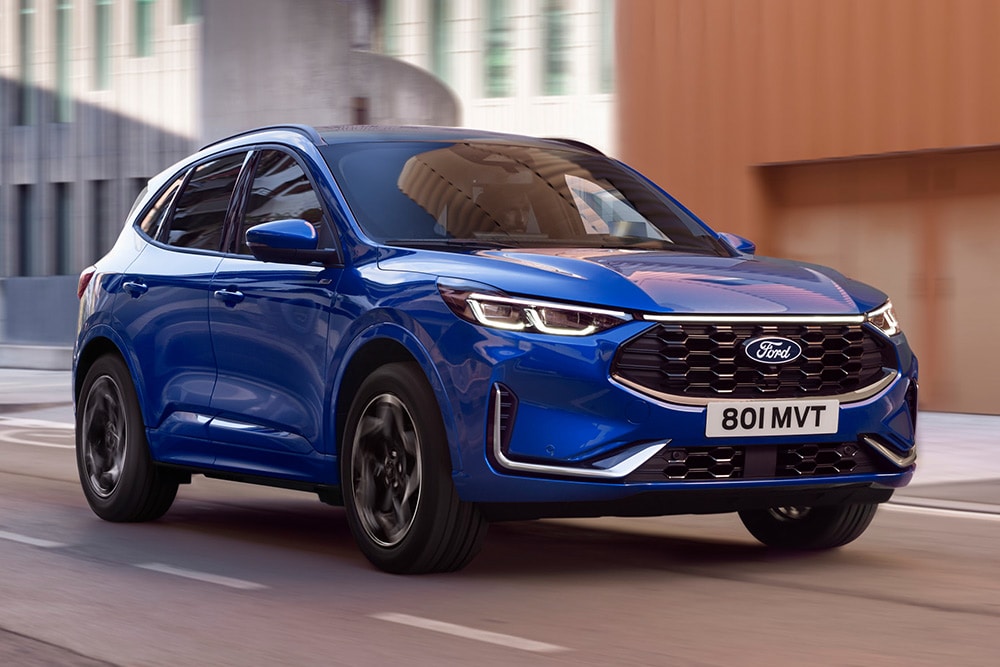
x: 576, y: 144
x: 308, y: 131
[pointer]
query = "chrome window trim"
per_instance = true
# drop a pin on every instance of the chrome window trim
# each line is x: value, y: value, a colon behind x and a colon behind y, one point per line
x: 850, y: 397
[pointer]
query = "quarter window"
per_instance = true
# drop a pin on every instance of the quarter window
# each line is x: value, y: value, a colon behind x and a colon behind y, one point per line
x: 150, y: 223
x: 282, y: 191
x: 200, y: 211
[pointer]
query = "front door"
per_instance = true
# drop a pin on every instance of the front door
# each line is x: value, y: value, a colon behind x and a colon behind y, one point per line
x: 270, y: 324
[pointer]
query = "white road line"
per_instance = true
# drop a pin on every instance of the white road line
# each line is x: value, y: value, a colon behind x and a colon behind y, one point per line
x: 15, y: 437
x: 36, y: 423
x: 509, y: 641
x: 937, y: 511
x: 33, y: 541
x: 219, y: 580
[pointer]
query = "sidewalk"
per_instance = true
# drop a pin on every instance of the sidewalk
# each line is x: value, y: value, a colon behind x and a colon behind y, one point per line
x: 36, y: 357
x: 951, y: 447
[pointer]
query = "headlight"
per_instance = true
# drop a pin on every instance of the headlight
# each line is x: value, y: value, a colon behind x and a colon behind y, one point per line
x: 503, y: 312
x: 884, y: 319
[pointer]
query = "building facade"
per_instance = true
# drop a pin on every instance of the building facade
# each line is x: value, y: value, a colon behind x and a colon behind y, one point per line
x: 860, y: 135
x: 541, y: 67
x: 96, y: 96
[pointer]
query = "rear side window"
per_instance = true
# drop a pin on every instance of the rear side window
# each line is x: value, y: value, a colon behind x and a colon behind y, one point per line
x: 200, y: 210
x: 282, y: 191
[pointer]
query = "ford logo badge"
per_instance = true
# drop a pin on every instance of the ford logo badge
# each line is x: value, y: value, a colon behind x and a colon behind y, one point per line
x: 773, y: 350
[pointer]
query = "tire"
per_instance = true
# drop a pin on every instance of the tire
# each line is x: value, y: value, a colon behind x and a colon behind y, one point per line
x: 402, y: 506
x: 809, y: 528
x: 119, y: 479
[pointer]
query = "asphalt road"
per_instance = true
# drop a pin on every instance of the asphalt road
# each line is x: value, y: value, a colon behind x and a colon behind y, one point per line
x: 241, y: 575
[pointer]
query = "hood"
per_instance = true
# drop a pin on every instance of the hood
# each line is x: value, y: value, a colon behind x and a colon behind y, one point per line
x: 667, y: 282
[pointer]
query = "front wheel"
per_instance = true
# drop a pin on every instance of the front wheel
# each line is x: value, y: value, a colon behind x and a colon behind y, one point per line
x: 119, y: 479
x: 813, y: 528
x: 402, y: 507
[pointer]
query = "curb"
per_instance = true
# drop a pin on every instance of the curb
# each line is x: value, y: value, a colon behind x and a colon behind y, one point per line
x: 36, y: 357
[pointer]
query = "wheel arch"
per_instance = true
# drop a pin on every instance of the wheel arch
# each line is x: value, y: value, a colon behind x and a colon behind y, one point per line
x: 94, y: 348
x: 380, y: 345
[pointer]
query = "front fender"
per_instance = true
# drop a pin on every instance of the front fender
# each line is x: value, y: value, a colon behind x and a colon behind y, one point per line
x: 418, y: 350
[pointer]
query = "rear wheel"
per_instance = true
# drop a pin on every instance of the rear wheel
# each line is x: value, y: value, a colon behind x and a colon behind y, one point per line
x: 402, y: 507
x: 809, y: 527
x: 116, y: 470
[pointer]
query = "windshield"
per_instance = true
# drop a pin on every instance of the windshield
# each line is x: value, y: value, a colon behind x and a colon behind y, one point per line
x: 507, y: 195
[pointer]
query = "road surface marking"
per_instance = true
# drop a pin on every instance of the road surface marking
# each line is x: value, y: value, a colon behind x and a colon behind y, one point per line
x: 16, y: 437
x: 219, y: 580
x: 36, y: 423
x: 938, y: 511
x: 33, y: 541
x: 509, y: 641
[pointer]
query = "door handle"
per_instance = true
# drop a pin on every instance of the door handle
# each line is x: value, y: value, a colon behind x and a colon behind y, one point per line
x: 228, y: 296
x: 135, y: 288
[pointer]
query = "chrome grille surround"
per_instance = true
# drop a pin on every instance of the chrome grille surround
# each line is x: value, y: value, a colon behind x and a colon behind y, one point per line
x: 697, y: 360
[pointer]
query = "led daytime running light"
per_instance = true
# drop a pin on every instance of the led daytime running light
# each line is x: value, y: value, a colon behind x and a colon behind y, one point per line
x: 884, y: 319
x: 540, y: 316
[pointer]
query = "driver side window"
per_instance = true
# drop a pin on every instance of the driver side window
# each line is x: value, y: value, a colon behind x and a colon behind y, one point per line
x: 282, y: 191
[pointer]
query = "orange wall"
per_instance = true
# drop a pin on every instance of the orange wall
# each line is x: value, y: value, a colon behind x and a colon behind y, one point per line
x: 709, y: 89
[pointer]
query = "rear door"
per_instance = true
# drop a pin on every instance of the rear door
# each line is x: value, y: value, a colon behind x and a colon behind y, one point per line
x: 164, y: 313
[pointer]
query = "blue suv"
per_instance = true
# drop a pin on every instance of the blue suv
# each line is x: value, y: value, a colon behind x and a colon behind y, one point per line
x: 438, y: 328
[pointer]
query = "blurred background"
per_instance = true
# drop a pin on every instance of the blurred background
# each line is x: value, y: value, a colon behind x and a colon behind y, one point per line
x: 860, y: 135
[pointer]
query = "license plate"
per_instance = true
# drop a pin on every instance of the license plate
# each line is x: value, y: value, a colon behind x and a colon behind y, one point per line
x: 738, y: 419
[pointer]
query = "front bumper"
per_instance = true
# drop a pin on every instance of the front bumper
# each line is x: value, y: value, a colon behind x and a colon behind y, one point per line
x: 547, y: 425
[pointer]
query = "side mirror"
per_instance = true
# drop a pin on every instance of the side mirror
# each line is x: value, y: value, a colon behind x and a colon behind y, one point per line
x: 738, y: 243
x: 288, y: 241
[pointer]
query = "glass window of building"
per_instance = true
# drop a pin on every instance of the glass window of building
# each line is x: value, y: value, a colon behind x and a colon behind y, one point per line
x: 188, y: 11
x: 63, y: 247
x: 144, y: 27
x: 25, y: 230
x: 100, y: 210
x: 388, y: 23
x: 440, y: 39
x: 607, y: 46
x: 25, y: 111
x: 498, y: 81
x: 555, y: 17
x: 102, y: 44
x: 63, y: 99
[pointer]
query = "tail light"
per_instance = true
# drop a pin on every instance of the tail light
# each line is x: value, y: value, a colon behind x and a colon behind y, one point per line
x: 85, y: 278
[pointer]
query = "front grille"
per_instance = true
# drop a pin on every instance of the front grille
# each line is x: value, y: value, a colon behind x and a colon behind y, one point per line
x: 695, y: 360
x: 682, y: 464
x: 814, y: 460
x: 704, y: 463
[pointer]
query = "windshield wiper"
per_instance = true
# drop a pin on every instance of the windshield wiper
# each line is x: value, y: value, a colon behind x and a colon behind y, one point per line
x: 451, y: 243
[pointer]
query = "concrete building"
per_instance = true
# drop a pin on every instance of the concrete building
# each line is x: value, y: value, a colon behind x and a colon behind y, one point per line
x: 861, y: 135
x: 96, y: 96
x: 542, y: 67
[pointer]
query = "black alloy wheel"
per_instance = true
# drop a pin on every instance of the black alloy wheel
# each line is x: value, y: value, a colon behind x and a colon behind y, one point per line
x: 402, y: 506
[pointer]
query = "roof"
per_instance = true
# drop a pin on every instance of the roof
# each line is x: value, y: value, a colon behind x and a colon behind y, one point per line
x: 343, y: 134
